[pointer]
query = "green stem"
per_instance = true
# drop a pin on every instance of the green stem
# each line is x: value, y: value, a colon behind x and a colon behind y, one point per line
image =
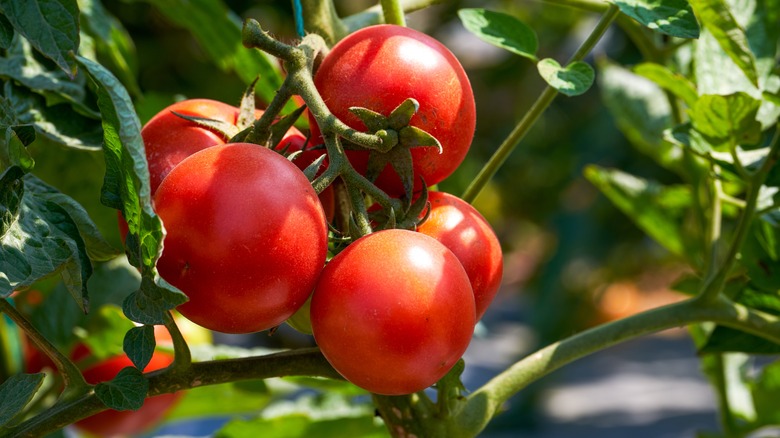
x: 320, y: 17
x: 302, y: 362
x: 375, y: 14
x: 182, y: 357
x: 392, y: 12
x: 714, y: 226
x: 533, y: 114
x: 721, y: 387
x: 711, y: 289
x: 485, y: 402
x: 71, y: 375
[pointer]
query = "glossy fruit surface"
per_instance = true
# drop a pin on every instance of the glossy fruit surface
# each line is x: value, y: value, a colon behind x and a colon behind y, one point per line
x: 378, y: 67
x: 459, y: 226
x: 246, y: 237
x: 393, y: 312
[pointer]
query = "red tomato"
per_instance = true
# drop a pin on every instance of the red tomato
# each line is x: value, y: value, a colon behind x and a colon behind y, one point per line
x: 246, y: 237
x: 378, y: 67
x: 393, y: 312
x: 459, y: 226
x: 122, y: 423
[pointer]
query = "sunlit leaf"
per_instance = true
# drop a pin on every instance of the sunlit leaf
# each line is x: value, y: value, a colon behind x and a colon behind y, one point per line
x: 15, y: 393
x: 672, y: 17
x: 501, y: 30
x: 572, y: 80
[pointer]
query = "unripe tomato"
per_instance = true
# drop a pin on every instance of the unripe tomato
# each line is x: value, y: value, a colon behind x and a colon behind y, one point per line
x: 393, y: 312
x: 378, y: 67
x: 246, y: 237
x: 459, y: 226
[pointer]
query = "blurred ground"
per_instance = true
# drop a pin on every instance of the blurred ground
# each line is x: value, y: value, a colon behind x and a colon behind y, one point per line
x: 648, y: 388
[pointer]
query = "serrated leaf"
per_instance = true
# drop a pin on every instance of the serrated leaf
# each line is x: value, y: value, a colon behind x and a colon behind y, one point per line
x: 675, y: 83
x: 152, y: 301
x: 573, y: 80
x: 656, y: 209
x: 126, y: 391
x: 112, y: 42
x: 139, y: 345
x: 501, y: 30
x: 59, y: 122
x: 727, y: 121
x: 15, y: 393
x: 56, y: 86
x: 672, y: 17
x: 51, y: 26
x: 716, y: 16
x: 642, y: 113
x: 43, y: 239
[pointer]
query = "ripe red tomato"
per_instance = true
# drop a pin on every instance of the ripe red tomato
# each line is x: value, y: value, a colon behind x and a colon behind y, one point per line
x: 111, y: 423
x: 246, y: 237
x: 459, y: 226
x: 378, y: 67
x: 393, y: 312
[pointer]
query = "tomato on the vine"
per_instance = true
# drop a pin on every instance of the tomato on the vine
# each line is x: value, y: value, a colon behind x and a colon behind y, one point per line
x: 378, y: 67
x: 459, y: 226
x: 246, y: 237
x: 393, y: 312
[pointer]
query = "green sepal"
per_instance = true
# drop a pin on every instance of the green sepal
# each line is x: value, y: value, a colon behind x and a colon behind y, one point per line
x: 246, y: 110
x: 225, y: 129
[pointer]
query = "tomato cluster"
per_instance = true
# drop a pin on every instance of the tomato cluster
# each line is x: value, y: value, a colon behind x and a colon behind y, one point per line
x: 247, y: 237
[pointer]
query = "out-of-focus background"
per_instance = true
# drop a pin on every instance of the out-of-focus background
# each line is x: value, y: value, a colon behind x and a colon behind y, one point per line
x: 572, y: 260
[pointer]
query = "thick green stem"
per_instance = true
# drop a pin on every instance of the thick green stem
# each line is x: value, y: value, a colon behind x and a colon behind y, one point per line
x: 484, y: 403
x: 71, y: 375
x: 320, y: 17
x: 182, y: 356
x: 533, y: 114
x: 302, y: 362
x: 375, y: 14
x: 392, y: 12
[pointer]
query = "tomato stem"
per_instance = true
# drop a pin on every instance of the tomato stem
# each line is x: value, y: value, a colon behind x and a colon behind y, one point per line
x: 182, y: 356
x: 393, y: 13
x: 540, y: 105
x: 375, y: 14
x: 74, y: 380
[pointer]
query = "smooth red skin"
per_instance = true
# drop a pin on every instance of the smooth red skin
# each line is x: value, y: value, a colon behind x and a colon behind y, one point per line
x: 123, y: 423
x: 246, y: 237
x: 378, y: 67
x: 393, y: 312
x: 459, y: 226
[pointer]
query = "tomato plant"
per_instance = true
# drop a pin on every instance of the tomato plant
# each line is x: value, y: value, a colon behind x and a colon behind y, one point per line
x: 379, y: 67
x: 262, y: 218
x: 393, y: 312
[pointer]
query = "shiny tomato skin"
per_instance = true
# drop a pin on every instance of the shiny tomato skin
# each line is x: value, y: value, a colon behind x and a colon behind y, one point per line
x: 459, y: 226
x: 246, y: 237
x: 378, y: 67
x: 393, y: 312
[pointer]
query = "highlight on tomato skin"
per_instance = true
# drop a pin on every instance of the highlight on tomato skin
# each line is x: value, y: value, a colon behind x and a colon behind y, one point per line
x: 461, y: 228
x: 393, y: 312
x: 246, y: 237
x: 363, y: 70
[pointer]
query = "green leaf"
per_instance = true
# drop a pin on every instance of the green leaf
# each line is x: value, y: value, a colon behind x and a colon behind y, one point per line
x: 51, y: 26
x: 501, y: 30
x: 727, y: 121
x: 218, y: 31
x: 766, y: 394
x: 761, y: 258
x: 716, y: 17
x: 59, y: 122
x: 126, y: 392
x: 675, y: 83
x: 6, y: 32
x: 15, y: 393
x: 139, y: 345
x: 43, y: 237
x: 573, y: 80
x: 656, y: 209
x: 730, y: 372
x: 672, y: 17
x: 149, y: 304
x: 17, y: 138
x: 112, y: 42
x: 729, y: 340
x: 642, y: 112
